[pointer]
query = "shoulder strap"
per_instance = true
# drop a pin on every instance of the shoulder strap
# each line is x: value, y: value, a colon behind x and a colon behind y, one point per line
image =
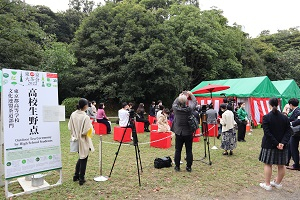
x: 74, y: 126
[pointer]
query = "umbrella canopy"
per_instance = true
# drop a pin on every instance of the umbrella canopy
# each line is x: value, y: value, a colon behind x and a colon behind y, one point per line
x: 210, y: 89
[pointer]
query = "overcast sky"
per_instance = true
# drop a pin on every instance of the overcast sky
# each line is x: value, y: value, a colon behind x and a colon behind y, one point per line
x: 255, y: 15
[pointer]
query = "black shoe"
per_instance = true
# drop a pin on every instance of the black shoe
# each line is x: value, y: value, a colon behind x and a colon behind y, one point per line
x: 81, y: 181
x: 147, y: 130
x: 75, y: 178
x: 225, y: 153
x: 188, y: 169
x: 177, y: 169
x: 218, y: 137
x: 230, y: 152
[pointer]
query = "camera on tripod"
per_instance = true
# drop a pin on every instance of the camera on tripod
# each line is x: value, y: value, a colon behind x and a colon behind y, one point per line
x: 132, y: 113
x: 203, y: 115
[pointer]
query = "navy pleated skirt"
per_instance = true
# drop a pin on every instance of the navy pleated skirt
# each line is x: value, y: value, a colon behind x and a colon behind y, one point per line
x: 274, y: 156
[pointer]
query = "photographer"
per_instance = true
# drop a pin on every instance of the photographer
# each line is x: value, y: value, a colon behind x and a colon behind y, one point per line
x: 181, y: 128
x: 123, y: 115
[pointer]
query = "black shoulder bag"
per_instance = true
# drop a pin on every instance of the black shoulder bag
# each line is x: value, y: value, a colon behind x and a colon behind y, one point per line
x: 193, y: 122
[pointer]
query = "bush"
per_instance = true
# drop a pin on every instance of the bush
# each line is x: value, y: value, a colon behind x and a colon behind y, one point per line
x: 70, y: 105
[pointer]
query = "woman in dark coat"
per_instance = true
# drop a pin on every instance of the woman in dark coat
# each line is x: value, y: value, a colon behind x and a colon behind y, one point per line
x: 140, y: 117
x: 274, y: 148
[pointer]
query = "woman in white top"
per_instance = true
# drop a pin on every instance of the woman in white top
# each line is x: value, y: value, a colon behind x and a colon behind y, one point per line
x: 228, y: 130
x: 123, y: 115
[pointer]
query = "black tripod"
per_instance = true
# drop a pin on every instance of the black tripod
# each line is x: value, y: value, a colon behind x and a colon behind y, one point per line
x: 131, y: 125
x: 205, y: 138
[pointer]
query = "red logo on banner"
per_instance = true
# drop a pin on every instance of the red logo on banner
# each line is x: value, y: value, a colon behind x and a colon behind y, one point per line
x: 31, y: 73
x: 51, y: 75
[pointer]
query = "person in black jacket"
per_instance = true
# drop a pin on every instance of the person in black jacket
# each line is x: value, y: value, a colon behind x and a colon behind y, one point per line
x: 294, y: 140
x: 140, y: 117
x: 274, y: 146
x: 181, y: 128
x: 152, y: 109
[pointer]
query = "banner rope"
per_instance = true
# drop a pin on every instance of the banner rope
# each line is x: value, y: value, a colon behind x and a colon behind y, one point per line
x: 144, y: 143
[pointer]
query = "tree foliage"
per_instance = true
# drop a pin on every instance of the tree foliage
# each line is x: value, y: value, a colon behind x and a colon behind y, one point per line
x: 139, y: 50
x: 20, y: 36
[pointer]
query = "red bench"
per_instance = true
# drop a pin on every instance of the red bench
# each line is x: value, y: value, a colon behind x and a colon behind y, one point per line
x: 164, y: 143
x: 118, y: 134
x: 151, y: 119
x: 196, y: 138
x: 139, y: 127
x: 100, y: 129
x: 153, y: 127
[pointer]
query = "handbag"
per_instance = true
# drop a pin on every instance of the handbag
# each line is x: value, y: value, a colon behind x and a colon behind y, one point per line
x: 193, y: 122
x: 74, y: 145
x: 296, y: 131
x: 162, y: 162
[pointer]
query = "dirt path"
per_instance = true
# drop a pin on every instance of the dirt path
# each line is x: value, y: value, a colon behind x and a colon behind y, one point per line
x: 290, y: 191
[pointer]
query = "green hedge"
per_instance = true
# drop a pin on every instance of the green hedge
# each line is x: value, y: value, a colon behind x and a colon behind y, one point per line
x: 70, y: 105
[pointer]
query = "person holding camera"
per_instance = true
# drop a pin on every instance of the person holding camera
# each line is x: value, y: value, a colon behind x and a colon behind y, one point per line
x: 123, y: 115
x: 181, y: 128
x: 243, y: 118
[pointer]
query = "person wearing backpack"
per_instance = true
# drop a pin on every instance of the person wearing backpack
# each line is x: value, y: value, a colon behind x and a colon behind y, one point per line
x: 182, y: 129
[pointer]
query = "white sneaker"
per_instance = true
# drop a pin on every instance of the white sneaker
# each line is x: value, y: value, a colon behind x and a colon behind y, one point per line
x: 266, y: 187
x: 274, y: 184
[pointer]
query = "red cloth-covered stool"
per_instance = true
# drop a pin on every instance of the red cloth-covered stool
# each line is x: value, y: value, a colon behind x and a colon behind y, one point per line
x: 212, y: 130
x: 170, y: 123
x: 196, y: 137
x: 118, y: 134
x: 100, y: 129
x: 139, y: 127
x: 160, y: 139
x: 153, y: 127
x: 151, y: 119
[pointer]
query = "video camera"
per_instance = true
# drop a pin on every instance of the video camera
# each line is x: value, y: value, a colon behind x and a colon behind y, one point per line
x: 132, y: 113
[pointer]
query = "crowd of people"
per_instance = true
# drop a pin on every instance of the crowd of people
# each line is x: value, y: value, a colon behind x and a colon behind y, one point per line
x: 279, y: 144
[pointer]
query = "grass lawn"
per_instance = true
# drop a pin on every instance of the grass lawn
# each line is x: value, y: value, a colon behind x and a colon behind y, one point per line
x: 225, y: 177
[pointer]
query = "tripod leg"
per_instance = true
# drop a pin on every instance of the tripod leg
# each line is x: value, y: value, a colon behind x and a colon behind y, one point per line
x: 204, y: 133
x: 112, y: 167
x: 137, y: 162
x: 139, y: 157
x: 208, y: 149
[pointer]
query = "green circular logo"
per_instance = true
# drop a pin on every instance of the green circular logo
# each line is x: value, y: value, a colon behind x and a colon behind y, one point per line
x: 8, y: 164
x: 50, y: 157
x: 37, y: 159
x: 23, y: 161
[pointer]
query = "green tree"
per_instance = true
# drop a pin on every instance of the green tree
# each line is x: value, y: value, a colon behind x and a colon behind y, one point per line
x: 20, y: 36
x: 209, y: 45
x: 126, y: 54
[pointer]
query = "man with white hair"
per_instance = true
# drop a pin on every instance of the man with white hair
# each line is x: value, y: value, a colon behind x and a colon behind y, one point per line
x: 182, y: 129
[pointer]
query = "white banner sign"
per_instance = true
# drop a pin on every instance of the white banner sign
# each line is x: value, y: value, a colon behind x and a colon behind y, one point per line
x: 31, y: 143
